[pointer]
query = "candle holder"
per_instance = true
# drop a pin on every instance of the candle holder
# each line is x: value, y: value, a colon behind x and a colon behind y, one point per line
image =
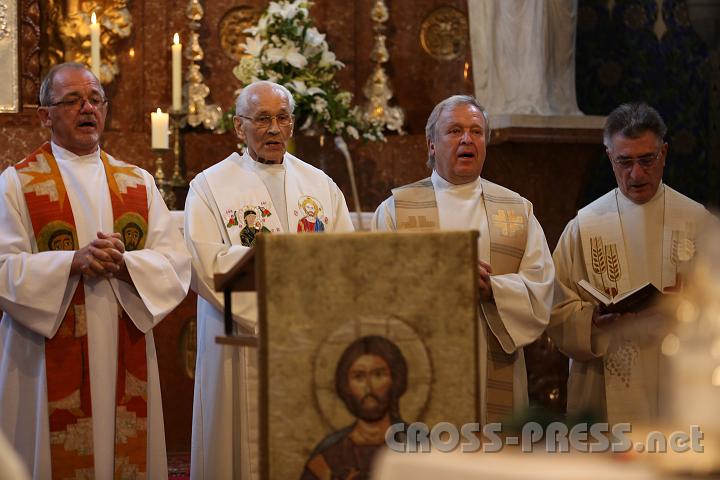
x: 377, y: 88
x: 163, y: 184
x: 178, y: 177
x: 199, y: 112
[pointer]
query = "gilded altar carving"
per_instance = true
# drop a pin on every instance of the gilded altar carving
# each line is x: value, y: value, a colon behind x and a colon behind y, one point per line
x: 9, y: 71
x: 444, y: 33
x: 6, y: 19
x: 198, y: 112
x: 68, y: 32
x: 232, y: 29
x: 377, y: 88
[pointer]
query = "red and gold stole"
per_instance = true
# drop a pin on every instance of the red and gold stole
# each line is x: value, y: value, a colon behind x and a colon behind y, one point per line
x: 66, y: 354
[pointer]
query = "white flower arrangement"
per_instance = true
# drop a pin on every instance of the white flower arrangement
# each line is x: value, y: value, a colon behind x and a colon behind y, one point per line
x: 286, y: 48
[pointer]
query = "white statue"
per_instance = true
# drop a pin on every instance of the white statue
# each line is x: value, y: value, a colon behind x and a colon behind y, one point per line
x: 524, y: 55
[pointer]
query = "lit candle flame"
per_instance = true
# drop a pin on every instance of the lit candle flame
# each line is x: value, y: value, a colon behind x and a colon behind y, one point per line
x: 93, y: 19
x: 465, y: 71
x: 158, y: 110
x: 176, y: 38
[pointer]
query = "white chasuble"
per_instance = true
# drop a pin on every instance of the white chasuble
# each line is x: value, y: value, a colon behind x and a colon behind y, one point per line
x: 626, y: 245
x: 227, y: 206
x: 523, y: 298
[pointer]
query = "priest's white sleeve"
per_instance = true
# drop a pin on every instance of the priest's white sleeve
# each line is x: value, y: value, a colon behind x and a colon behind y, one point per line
x: 343, y: 222
x: 160, y: 272
x: 523, y: 300
x: 35, y: 288
x: 384, y: 218
x: 571, y: 325
x: 212, y: 252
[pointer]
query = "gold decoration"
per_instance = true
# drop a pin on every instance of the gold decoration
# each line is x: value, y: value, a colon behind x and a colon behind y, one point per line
x: 614, y: 272
x: 199, y: 113
x: 599, y: 263
x: 4, y: 28
x: 444, y: 33
x: 70, y: 28
x: 10, y: 76
x: 188, y: 347
x: 232, y: 29
x: 683, y: 247
x: 377, y: 88
x: 509, y: 223
x: 163, y: 184
x: 606, y: 261
x: 178, y: 176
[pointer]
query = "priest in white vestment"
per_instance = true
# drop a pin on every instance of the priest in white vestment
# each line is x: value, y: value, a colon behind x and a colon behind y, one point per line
x: 263, y: 191
x: 515, y: 269
x: 641, y: 232
x: 79, y: 383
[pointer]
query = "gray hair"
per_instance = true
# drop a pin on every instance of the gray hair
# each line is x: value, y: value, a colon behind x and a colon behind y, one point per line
x: 46, y: 88
x: 241, y: 103
x: 450, y: 103
x: 632, y: 120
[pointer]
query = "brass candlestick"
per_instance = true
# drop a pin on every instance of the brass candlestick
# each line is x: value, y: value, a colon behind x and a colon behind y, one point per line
x: 178, y: 176
x: 163, y: 184
x: 199, y: 112
x: 377, y: 88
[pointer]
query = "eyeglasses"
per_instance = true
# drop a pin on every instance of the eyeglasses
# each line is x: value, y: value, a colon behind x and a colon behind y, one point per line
x: 264, y: 121
x: 645, y: 162
x: 78, y: 102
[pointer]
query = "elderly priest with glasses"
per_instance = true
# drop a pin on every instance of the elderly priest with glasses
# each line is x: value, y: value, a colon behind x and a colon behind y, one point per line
x: 79, y: 382
x: 640, y: 233
x: 264, y: 191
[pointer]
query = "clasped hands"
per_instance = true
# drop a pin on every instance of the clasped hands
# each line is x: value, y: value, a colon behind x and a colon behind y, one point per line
x: 103, y: 257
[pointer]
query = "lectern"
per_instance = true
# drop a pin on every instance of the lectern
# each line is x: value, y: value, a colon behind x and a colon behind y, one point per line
x: 357, y: 332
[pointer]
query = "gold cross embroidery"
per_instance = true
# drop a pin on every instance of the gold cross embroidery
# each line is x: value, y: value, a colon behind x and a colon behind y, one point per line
x: 508, y: 223
x: 417, y: 222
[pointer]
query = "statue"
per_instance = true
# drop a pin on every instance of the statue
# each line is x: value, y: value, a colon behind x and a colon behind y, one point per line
x: 524, y: 56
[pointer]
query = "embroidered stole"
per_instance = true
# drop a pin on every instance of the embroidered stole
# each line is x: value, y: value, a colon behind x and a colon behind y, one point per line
x: 246, y: 206
x: 604, y: 244
x: 630, y: 388
x: 66, y: 354
x: 416, y: 209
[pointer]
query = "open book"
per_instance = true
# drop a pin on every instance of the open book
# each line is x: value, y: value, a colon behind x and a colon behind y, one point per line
x: 630, y: 301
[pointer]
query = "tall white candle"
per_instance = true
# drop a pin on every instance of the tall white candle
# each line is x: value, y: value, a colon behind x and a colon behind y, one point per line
x: 95, y: 46
x: 160, y: 132
x: 176, y: 73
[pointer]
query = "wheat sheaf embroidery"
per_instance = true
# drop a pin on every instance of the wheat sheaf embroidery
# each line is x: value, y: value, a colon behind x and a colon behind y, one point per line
x: 599, y: 263
x: 614, y: 272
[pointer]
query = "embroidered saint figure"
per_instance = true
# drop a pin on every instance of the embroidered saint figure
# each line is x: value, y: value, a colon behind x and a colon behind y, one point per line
x: 310, y: 222
x: 252, y: 227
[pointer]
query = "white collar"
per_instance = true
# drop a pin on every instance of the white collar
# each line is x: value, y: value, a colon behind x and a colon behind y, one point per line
x: 250, y: 162
x: 61, y: 154
x: 464, y: 188
x: 627, y: 202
